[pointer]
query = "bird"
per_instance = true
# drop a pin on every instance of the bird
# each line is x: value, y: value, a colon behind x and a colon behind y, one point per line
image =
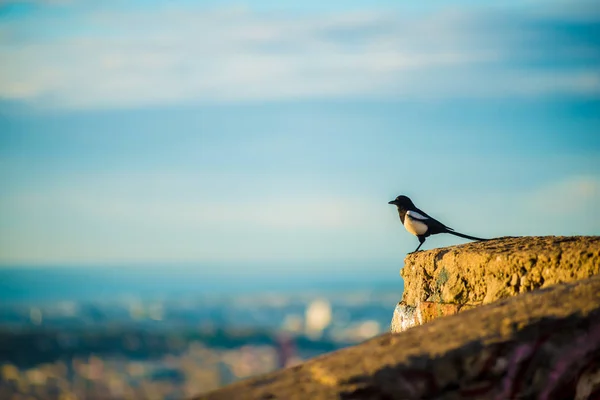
x: 420, y: 224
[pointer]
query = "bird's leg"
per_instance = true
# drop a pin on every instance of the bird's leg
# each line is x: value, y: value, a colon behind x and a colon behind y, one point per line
x: 421, y: 241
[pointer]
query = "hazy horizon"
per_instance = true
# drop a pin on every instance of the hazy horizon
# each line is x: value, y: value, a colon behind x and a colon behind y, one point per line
x: 110, y: 284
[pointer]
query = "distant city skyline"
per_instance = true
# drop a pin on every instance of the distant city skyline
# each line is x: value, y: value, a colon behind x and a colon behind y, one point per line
x: 268, y: 133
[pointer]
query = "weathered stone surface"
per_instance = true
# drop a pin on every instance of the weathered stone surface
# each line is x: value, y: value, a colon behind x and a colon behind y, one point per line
x: 406, y: 316
x: 482, y: 272
x: 462, y: 277
x: 544, y: 344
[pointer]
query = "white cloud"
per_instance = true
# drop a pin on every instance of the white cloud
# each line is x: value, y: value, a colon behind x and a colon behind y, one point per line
x: 573, y: 197
x: 107, y: 58
x: 183, y: 202
x: 95, y: 223
x: 270, y: 213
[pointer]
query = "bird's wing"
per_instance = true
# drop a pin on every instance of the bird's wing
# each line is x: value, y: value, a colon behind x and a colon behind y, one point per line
x: 417, y: 216
x: 434, y: 225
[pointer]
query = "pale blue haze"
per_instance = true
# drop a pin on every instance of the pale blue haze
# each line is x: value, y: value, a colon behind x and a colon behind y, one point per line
x: 243, y: 138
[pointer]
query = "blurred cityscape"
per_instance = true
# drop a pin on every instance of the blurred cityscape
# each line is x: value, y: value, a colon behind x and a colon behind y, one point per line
x: 173, y: 347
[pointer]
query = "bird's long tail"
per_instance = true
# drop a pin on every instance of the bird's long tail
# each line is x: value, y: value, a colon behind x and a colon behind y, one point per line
x: 462, y: 235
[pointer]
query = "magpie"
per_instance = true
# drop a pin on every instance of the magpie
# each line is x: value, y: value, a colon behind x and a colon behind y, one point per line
x: 420, y: 224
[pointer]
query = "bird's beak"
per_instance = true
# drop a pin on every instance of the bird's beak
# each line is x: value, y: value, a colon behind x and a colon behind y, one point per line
x: 392, y: 202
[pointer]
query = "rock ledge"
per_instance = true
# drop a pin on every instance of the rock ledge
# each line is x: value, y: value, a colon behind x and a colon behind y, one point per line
x: 445, y: 281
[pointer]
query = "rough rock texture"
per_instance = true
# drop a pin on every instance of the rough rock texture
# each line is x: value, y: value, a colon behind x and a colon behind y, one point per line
x: 445, y: 281
x: 544, y: 345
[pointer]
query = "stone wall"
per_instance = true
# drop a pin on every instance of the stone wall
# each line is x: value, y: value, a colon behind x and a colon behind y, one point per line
x: 445, y: 281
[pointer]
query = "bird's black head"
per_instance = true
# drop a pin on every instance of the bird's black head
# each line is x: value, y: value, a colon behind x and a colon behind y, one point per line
x: 402, y: 202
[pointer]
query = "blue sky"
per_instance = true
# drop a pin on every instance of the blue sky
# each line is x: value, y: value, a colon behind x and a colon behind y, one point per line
x: 274, y: 133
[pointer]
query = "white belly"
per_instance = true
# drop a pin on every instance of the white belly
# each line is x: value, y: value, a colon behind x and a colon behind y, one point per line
x: 415, y: 227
